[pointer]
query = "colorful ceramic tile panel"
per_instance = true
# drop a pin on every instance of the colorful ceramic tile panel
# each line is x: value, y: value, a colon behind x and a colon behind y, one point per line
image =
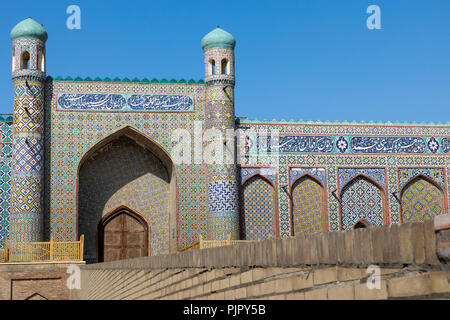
x: 269, y: 173
x: 318, y: 173
x: 435, y: 174
x: 122, y: 102
x: 347, y: 174
x: 421, y: 201
x: 192, y: 204
x: 5, y: 179
x: 258, y: 209
x: 445, y: 145
x: 221, y: 196
x: 333, y: 144
x: 73, y: 133
x: 361, y: 199
x: 307, y: 210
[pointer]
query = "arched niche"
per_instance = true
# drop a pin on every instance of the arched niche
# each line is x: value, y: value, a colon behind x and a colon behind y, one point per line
x: 128, y: 168
x: 259, y: 206
x: 363, y: 199
x: 308, y: 206
x: 421, y: 199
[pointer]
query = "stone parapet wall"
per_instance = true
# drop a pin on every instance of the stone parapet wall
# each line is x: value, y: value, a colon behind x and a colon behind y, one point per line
x: 394, y: 245
x: 321, y: 266
x: 332, y: 283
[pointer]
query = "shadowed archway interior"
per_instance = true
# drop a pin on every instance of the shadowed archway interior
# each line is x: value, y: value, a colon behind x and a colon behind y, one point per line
x: 123, y: 172
x: 307, y: 206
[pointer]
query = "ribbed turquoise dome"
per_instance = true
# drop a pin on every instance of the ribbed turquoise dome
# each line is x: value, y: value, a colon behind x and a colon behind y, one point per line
x: 29, y: 29
x: 218, y: 38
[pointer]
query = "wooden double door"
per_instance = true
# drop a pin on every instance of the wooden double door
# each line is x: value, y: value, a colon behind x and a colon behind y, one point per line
x: 122, y: 234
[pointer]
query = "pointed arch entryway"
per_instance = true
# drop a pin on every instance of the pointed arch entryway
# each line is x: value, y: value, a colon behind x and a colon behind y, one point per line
x: 421, y: 200
x: 128, y: 169
x: 122, y: 234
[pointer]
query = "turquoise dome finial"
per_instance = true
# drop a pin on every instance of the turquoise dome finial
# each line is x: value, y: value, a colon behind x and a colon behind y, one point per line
x: 218, y: 38
x: 29, y: 29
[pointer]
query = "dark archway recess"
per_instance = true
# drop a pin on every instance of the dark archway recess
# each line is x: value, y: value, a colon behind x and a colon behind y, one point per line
x: 122, y: 234
x: 128, y: 169
x: 361, y: 224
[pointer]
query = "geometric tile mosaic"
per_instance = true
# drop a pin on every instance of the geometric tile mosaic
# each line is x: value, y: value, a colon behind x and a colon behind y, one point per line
x: 421, y: 201
x: 27, y: 155
x: 123, y: 173
x: 295, y: 173
x: 307, y: 212
x: 73, y: 133
x: 361, y: 199
x: 221, y: 196
x: 27, y: 214
x: 269, y: 173
x: 435, y: 174
x: 347, y: 174
x: 258, y: 209
x: 5, y: 178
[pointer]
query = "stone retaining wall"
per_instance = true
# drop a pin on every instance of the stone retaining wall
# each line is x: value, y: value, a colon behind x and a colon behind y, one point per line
x: 321, y: 266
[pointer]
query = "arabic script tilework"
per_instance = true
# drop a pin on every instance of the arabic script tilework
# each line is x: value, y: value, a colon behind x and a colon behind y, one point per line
x: 377, y: 152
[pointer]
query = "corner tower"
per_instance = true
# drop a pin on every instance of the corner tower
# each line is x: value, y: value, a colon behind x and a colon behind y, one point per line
x: 223, y: 204
x: 28, y: 76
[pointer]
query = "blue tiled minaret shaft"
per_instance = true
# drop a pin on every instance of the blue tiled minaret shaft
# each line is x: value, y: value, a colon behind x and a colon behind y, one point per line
x: 223, y: 204
x: 28, y: 76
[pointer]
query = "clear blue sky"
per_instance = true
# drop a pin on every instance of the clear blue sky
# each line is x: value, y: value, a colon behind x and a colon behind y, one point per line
x: 310, y: 60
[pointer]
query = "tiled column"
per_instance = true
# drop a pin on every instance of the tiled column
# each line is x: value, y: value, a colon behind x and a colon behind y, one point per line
x: 27, y: 156
x: 223, y: 203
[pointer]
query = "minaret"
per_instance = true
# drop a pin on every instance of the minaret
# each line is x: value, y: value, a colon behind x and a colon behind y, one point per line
x: 28, y: 76
x: 223, y: 204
